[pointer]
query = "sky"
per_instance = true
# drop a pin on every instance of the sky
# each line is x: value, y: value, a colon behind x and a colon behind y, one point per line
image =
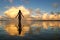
x: 44, y: 5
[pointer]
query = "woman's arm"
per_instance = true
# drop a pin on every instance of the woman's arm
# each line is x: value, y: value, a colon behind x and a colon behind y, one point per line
x: 16, y: 16
x: 23, y: 16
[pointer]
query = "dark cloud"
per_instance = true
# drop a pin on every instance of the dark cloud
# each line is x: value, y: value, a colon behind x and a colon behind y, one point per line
x: 10, y: 1
x: 25, y: 1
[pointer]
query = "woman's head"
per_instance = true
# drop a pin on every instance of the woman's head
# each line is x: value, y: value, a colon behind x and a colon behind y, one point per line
x: 19, y: 11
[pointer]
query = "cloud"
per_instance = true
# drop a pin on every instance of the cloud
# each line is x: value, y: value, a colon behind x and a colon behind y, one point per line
x: 7, y: 7
x: 10, y: 1
x: 37, y: 10
x: 55, y: 5
x: 25, y: 1
x: 24, y: 10
x: 0, y: 16
x: 45, y: 16
x: 13, y: 11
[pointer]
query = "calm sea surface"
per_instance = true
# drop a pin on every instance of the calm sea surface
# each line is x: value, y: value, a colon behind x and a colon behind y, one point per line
x: 30, y: 30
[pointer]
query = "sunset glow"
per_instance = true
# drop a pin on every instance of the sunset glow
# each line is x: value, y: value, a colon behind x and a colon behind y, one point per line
x: 13, y: 11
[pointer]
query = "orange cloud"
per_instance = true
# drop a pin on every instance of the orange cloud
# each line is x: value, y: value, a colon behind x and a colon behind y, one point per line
x: 13, y: 11
x: 45, y: 16
x: 24, y: 10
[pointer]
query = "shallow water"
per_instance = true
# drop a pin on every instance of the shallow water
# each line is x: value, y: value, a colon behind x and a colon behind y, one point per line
x: 31, y: 30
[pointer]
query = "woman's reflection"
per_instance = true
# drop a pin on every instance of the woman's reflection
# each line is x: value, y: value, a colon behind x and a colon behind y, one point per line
x: 12, y: 29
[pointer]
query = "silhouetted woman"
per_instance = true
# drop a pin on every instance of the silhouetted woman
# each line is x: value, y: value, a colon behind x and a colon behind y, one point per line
x: 19, y: 21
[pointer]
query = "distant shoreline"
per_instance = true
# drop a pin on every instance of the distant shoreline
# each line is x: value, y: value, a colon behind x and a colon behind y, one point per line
x: 45, y: 20
x: 34, y: 20
x: 4, y: 20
